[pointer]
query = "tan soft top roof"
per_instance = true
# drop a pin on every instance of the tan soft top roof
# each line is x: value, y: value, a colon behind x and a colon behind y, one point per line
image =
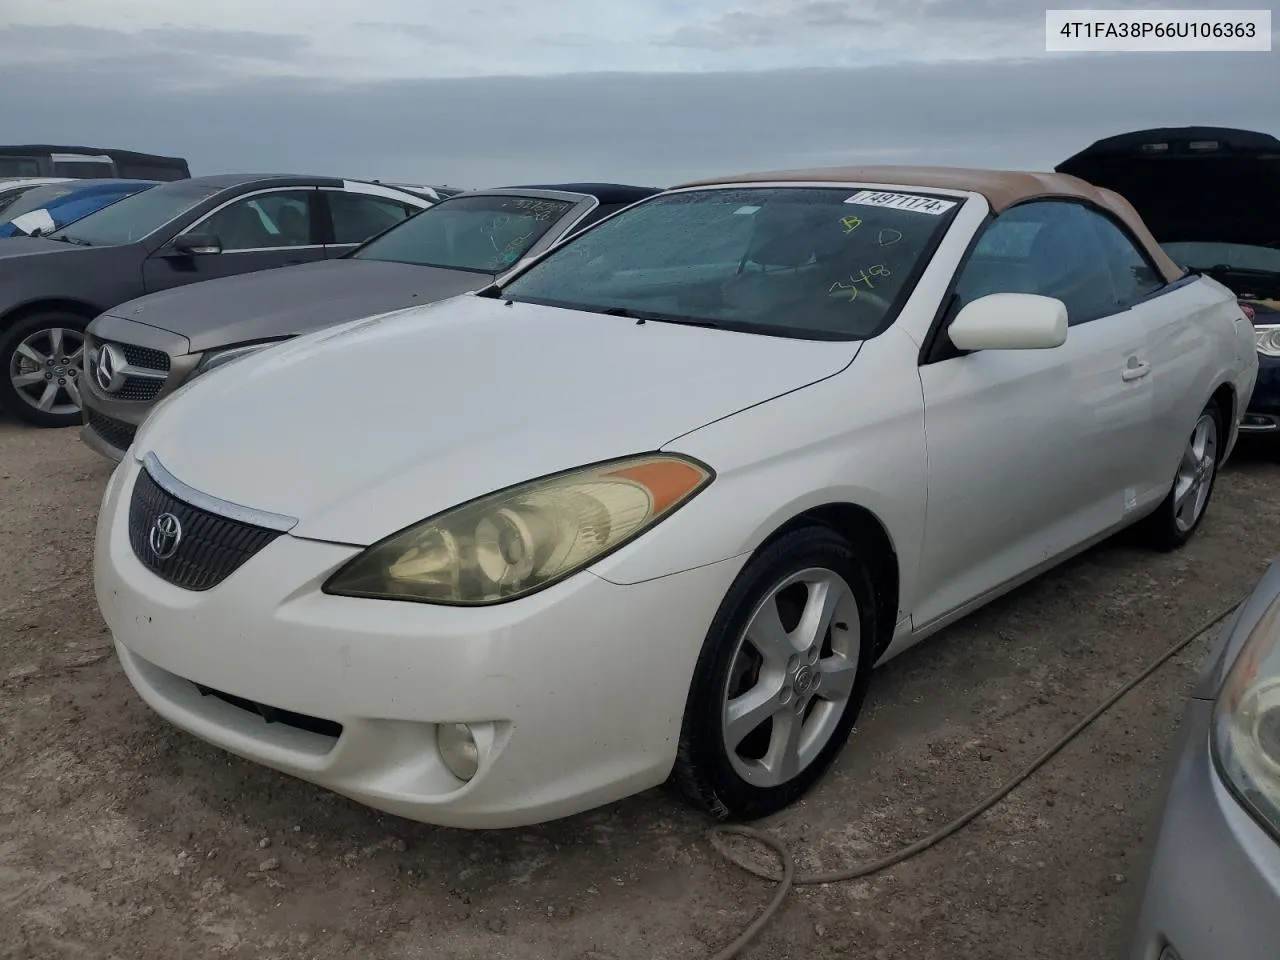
x: 1002, y: 189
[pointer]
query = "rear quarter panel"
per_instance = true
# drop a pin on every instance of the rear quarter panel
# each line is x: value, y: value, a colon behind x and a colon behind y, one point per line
x: 1196, y: 346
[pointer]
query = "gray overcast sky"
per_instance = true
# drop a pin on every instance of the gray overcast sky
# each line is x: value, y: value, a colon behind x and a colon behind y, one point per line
x: 644, y: 91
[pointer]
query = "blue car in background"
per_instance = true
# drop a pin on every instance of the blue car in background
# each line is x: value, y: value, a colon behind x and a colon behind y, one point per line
x: 44, y: 209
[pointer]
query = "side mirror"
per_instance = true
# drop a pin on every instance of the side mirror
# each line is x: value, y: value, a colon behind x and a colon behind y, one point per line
x: 1010, y: 321
x: 195, y: 245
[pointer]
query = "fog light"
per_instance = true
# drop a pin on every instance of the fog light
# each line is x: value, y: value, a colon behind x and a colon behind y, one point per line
x: 458, y: 749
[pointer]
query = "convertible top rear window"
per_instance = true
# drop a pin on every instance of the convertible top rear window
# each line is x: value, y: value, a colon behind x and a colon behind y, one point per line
x: 810, y: 262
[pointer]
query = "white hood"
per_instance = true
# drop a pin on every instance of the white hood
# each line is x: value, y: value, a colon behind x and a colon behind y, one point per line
x: 364, y: 429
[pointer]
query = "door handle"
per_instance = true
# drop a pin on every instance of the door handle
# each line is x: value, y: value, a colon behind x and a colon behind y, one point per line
x: 1136, y: 371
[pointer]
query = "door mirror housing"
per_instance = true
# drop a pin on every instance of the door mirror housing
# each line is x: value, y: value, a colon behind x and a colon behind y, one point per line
x: 195, y: 245
x: 1010, y: 321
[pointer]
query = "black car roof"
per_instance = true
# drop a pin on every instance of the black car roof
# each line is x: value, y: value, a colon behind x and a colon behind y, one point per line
x: 117, y: 155
x: 1191, y: 184
x: 1230, y: 140
x: 606, y: 193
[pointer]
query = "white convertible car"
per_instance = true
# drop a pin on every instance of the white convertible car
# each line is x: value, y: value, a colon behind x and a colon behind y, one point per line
x: 653, y: 508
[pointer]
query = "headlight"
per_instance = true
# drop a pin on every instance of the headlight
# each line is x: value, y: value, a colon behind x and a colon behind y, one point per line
x: 513, y: 542
x: 1268, y: 338
x: 1246, y: 726
x: 218, y: 358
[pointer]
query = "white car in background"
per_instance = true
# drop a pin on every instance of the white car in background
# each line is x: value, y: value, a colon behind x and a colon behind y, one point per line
x: 653, y: 508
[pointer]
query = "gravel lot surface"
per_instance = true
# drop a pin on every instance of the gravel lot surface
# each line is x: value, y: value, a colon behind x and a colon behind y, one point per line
x: 121, y: 837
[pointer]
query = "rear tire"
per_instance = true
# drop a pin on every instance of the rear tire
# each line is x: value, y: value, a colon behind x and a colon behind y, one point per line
x: 41, y: 358
x: 769, y: 710
x: 1179, y: 515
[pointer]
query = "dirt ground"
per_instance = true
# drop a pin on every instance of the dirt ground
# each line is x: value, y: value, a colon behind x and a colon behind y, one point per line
x: 121, y: 837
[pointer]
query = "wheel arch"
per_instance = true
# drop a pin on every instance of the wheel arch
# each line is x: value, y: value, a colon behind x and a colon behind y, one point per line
x: 863, y: 528
x: 1225, y: 397
x: 68, y: 304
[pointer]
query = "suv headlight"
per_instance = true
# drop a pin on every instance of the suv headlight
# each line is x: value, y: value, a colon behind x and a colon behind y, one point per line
x: 217, y: 358
x: 1246, y: 723
x: 1267, y: 336
x: 513, y: 542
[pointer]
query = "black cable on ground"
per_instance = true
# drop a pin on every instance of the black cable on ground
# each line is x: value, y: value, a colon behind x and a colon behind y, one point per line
x: 788, y: 878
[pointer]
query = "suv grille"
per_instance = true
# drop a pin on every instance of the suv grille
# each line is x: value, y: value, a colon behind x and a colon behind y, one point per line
x: 116, y: 432
x: 209, y: 547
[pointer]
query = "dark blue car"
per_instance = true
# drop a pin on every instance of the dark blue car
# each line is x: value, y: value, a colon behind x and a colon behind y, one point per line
x: 51, y: 207
x: 1211, y: 197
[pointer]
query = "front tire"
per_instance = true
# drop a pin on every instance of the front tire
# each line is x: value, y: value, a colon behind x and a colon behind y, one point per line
x: 781, y: 678
x: 1179, y: 514
x: 41, y: 357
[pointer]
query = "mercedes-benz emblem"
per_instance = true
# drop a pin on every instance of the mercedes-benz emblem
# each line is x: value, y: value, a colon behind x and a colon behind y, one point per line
x: 108, y: 368
x: 166, y: 534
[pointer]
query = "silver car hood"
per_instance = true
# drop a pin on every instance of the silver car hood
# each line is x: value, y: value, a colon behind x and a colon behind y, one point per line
x: 287, y: 301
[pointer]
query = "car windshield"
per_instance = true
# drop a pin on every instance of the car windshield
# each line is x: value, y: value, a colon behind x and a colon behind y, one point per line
x: 1236, y: 256
x: 808, y: 262
x: 480, y: 234
x: 133, y: 218
x: 62, y: 203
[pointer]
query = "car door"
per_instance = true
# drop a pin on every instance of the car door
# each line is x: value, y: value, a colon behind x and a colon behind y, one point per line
x: 1031, y: 452
x: 1185, y: 332
x: 355, y: 217
x: 256, y: 231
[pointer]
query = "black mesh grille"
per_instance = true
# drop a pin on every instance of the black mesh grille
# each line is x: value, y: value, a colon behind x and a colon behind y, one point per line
x: 145, y: 357
x: 138, y: 388
x: 116, y: 432
x: 210, y: 547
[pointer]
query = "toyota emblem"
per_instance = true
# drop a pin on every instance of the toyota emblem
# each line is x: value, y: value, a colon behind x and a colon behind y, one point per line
x: 166, y: 534
x: 109, y: 367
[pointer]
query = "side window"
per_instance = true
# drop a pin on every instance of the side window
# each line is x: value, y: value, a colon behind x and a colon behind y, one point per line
x: 1048, y: 247
x: 88, y: 168
x: 357, y: 217
x: 20, y: 167
x: 262, y: 221
x: 1133, y: 273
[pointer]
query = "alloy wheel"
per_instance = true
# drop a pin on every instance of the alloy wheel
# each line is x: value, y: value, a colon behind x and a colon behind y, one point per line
x: 1195, y: 473
x: 791, y: 677
x: 45, y: 369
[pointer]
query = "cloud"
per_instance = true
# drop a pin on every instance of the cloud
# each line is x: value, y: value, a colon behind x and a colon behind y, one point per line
x: 797, y: 32
x: 404, y: 39
x: 209, y: 54
x: 370, y: 40
x: 647, y: 128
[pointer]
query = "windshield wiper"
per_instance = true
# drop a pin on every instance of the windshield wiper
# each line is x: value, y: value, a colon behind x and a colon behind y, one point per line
x: 1248, y: 271
x: 641, y: 316
x: 66, y: 239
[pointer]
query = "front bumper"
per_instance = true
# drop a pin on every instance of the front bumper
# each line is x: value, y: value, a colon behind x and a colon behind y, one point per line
x: 1263, y: 414
x: 1213, y: 886
x: 579, y: 689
